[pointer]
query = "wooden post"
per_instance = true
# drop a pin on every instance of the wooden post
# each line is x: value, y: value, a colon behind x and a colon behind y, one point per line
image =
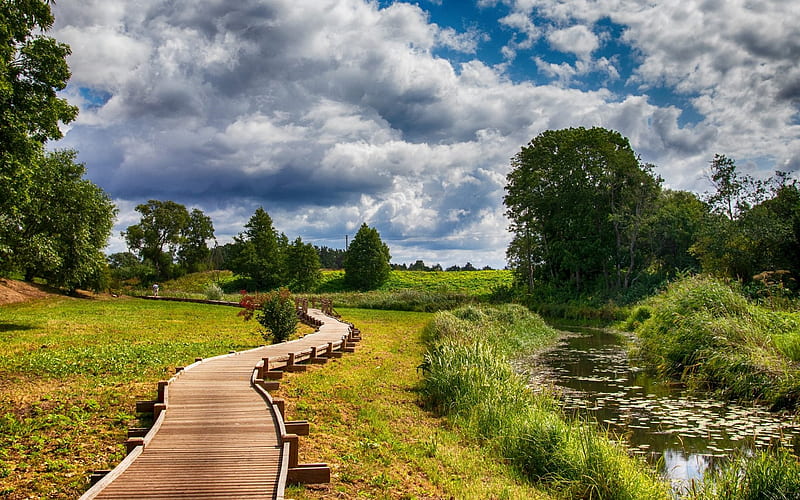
x: 162, y: 390
x: 280, y: 404
x: 294, y: 445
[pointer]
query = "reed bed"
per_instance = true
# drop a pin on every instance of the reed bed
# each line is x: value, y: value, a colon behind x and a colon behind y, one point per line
x: 469, y: 379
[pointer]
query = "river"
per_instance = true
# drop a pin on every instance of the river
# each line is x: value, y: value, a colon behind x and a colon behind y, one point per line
x: 682, y: 434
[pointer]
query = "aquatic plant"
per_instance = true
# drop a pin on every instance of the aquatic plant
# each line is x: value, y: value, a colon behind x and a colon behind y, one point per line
x: 467, y: 376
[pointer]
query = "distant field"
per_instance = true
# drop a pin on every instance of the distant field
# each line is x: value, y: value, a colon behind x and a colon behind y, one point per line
x: 467, y: 282
x: 471, y: 283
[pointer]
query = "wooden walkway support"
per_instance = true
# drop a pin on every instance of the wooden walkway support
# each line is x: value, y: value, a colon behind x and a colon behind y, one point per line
x: 218, y: 433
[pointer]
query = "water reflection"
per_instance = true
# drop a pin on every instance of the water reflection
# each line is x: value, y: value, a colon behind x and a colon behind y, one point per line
x: 684, y: 434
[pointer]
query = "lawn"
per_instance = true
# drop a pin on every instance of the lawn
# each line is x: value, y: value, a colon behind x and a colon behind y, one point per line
x: 71, y: 370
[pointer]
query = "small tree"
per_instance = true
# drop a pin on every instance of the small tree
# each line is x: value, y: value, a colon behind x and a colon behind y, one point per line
x: 366, y: 264
x: 275, y: 312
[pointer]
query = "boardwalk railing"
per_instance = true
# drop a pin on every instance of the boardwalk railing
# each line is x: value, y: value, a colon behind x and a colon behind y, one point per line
x: 204, y: 436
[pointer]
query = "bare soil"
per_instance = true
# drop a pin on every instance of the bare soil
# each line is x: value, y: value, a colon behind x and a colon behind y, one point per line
x: 12, y: 291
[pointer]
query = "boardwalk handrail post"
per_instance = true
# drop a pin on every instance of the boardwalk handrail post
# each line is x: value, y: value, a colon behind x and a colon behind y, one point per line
x: 294, y: 452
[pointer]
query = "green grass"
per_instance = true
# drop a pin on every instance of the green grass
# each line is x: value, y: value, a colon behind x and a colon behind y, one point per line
x: 475, y: 283
x: 706, y: 334
x: 768, y: 475
x: 469, y: 379
x: 72, y: 370
x: 368, y: 424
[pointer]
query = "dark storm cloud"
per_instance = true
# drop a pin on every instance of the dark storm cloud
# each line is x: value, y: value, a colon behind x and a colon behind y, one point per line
x: 336, y: 112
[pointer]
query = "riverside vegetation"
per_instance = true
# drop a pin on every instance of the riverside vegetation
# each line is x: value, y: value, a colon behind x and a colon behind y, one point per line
x: 73, y: 369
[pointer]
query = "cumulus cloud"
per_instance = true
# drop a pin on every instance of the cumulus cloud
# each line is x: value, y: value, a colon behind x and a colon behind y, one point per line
x: 354, y: 117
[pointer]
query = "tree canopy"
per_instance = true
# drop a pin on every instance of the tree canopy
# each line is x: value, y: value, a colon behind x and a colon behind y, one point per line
x: 366, y: 264
x: 258, y: 252
x: 53, y: 223
x: 166, y: 232
x: 576, y: 199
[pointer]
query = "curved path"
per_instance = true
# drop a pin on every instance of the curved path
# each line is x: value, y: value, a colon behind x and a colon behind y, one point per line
x: 218, y: 433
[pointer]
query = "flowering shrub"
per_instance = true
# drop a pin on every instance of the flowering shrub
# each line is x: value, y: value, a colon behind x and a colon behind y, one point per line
x: 275, y: 312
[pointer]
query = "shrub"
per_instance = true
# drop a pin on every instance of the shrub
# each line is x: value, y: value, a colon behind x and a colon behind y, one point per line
x: 706, y: 334
x: 275, y: 311
x: 213, y: 292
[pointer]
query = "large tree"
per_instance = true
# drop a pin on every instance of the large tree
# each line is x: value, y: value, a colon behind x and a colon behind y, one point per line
x: 302, y: 266
x: 33, y: 68
x: 577, y: 200
x: 66, y: 225
x: 366, y: 263
x: 194, y: 254
x: 259, y: 251
x: 159, y: 234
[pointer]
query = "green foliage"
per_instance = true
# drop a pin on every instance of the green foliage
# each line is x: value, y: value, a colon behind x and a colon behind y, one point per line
x: 156, y: 238
x: 302, y: 266
x: 33, y: 68
x: 467, y: 376
x: 65, y: 226
x: 194, y: 254
x: 275, y: 311
x: 577, y: 200
x: 366, y: 264
x: 258, y: 252
x: 706, y: 334
x: 773, y: 474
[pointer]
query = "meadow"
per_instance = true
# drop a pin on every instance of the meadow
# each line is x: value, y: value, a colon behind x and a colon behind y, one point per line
x: 72, y: 369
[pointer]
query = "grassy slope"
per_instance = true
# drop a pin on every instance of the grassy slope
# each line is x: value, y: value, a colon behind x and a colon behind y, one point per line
x: 469, y: 282
x: 71, y: 371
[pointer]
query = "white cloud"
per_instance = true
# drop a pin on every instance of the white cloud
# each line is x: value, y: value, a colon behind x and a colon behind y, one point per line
x: 578, y: 40
x: 351, y: 117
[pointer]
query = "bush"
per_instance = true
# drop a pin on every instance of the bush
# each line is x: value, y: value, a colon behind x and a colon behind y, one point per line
x: 275, y: 311
x: 704, y: 333
x: 213, y: 292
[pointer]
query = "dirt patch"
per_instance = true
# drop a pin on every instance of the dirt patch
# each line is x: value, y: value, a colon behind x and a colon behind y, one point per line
x: 19, y: 291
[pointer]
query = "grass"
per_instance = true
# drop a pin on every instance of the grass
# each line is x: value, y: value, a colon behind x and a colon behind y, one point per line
x: 768, y: 475
x: 468, y: 378
x: 369, y: 425
x: 422, y: 291
x: 71, y: 371
x: 704, y: 333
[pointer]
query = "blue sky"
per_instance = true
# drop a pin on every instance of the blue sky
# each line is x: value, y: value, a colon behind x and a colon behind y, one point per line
x: 404, y: 115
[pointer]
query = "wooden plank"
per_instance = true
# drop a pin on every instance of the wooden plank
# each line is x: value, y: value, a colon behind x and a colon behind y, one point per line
x: 217, y: 437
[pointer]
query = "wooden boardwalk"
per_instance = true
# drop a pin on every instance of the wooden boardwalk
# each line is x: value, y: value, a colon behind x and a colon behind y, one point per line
x: 218, y: 433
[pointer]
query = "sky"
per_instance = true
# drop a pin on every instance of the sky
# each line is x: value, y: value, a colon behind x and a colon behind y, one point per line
x: 405, y: 115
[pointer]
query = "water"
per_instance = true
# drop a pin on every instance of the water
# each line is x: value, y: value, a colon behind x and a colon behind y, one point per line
x: 683, y: 434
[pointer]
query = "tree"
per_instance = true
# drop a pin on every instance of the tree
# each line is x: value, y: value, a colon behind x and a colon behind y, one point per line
x: 156, y: 238
x: 258, y: 252
x: 33, y: 68
x: 366, y: 265
x: 302, y: 266
x: 65, y: 226
x: 577, y: 200
x: 194, y: 254
x: 331, y: 258
x: 677, y: 220
x: 733, y: 193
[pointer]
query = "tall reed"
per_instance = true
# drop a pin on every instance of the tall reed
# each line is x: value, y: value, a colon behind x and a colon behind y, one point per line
x: 468, y: 378
x: 706, y: 334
